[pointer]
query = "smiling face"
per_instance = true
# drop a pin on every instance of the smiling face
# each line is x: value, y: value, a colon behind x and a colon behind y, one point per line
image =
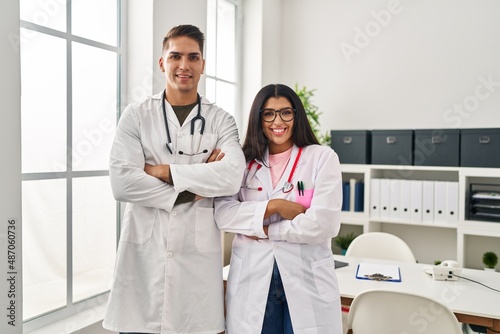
x: 278, y: 132
x: 183, y: 65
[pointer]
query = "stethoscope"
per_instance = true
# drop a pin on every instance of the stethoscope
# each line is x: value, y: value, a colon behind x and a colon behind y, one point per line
x: 193, y: 121
x: 287, y: 187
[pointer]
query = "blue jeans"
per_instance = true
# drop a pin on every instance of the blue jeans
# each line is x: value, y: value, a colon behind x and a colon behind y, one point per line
x: 277, y: 317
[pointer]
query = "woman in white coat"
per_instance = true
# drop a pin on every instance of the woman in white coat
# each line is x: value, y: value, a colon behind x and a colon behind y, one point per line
x: 282, y: 274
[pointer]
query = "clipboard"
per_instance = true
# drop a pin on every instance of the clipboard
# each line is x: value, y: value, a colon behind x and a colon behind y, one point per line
x: 378, y: 272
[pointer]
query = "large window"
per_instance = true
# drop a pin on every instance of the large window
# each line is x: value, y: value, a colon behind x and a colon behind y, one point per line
x: 70, y: 58
x: 223, y: 22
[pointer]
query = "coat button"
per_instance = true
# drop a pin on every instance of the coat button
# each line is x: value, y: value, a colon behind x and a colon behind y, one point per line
x: 174, y: 213
x: 169, y: 254
x: 179, y: 134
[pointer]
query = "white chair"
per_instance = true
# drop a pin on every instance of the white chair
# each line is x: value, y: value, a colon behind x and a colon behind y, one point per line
x: 380, y: 245
x: 391, y: 312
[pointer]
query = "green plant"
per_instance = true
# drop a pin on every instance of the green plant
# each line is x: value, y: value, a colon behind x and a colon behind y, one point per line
x: 437, y: 262
x: 313, y: 113
x: 343, y: 241
x: 490, y: 259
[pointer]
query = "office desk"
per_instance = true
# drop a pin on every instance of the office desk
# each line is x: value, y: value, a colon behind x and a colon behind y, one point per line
x: 471, y: 302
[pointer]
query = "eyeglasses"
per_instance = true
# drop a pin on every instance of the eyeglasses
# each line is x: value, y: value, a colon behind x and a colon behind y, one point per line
x: 269, y: 115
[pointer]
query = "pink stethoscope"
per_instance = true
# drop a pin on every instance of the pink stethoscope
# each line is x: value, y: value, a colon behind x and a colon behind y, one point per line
x: 287, y: 187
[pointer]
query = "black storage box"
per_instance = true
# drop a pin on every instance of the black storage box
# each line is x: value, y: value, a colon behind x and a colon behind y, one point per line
x: 352, y: 146
x: 480, y: 147
x: 437, y: 147
x: 392, y: 147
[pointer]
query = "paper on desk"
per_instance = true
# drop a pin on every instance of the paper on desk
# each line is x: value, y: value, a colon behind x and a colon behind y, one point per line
x: 378, y: 272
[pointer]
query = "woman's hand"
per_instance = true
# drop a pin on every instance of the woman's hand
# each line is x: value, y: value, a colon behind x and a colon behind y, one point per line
x: 266, y: 231
x: 285, y: 208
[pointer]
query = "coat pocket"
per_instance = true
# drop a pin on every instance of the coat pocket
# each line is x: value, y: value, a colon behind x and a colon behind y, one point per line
x: 325, y: 279
x: 234, y: 274
x: 207, y: 235
x: 138, y: 224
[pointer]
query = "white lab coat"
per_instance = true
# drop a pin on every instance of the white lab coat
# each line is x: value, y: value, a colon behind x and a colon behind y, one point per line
x: 168, y: 274
x: 301, y: 247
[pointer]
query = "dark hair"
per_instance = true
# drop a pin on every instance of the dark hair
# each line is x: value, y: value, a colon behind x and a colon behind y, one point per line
x: 255, y: 143
x: 185, y: 30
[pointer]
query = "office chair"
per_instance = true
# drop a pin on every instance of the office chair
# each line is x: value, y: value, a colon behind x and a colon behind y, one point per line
x: 380, y: 245
x: 391, y: 312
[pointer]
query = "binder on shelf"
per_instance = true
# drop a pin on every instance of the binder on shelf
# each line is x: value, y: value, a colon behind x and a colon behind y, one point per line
x: 405, y: 203
x: 375, y: 198
x: 385, y: 198
x: 452, y: 202
x: 427, y: 201
x: 346, y: 196
x: 416, y: 201
x: 359, y: 196
x: 352, y: 194
x: 395, y: 199
x: 439, y: 201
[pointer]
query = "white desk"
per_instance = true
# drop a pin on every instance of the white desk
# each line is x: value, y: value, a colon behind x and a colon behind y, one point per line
x: 471, y: 302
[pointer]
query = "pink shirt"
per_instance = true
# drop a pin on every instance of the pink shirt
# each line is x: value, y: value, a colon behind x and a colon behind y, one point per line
x: 278, y: 163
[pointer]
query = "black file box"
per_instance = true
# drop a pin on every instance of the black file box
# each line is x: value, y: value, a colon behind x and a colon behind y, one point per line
x: 437, y: 147
x: 484, y: 202
x: 480, y: 147
x: 392, y: 147
x: 352, y: 146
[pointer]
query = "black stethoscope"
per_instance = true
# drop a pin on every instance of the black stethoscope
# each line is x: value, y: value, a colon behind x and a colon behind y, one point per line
x: 193, y: 121
x: 287, y: 187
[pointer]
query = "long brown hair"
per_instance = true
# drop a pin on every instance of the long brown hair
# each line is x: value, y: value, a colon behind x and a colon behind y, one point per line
x: 255, y: 144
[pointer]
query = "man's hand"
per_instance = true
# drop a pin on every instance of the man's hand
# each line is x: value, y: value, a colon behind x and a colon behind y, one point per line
x: 216, y: 155
x: 161, y: 172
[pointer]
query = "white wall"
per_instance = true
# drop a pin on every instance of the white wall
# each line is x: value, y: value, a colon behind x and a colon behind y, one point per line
x: 424, y: 65
x: 148, y: 22
x: 262, y: 52
x: 170, y: 13
x: 10, y: 168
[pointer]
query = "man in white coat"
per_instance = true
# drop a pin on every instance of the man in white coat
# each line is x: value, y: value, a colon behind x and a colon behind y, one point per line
x: 173, y: 153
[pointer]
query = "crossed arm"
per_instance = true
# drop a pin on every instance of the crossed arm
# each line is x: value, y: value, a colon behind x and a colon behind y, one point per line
x: 162, y: 172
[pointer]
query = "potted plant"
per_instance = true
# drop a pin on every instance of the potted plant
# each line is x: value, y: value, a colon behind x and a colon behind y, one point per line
x: 343, y: 241
x: 312, y: 112
x: 490, y: 260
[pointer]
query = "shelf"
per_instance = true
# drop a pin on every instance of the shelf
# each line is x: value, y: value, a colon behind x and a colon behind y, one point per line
x: 460, y: 240
x: 354, y: 218
x: 403, y: 222
x: 480, y: 228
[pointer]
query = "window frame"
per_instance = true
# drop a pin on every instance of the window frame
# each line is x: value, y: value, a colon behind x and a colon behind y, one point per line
x: 238, y: 58
x: 94, y: 304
